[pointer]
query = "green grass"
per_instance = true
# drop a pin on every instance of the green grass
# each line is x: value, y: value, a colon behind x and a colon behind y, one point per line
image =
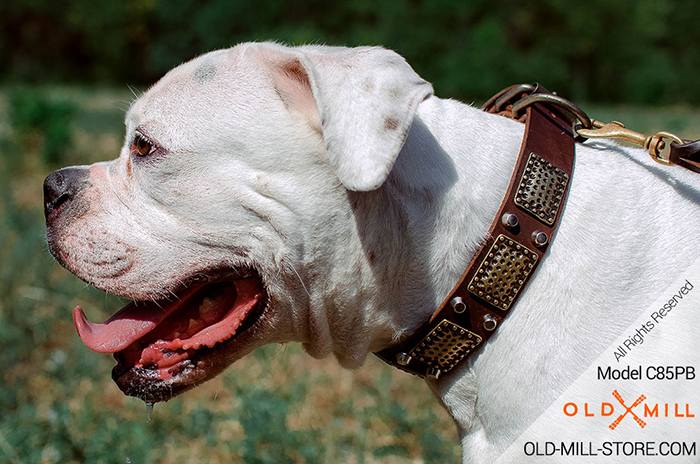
x: 57, y: 401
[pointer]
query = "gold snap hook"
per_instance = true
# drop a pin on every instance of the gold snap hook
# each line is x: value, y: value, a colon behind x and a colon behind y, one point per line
x: 656, y: 146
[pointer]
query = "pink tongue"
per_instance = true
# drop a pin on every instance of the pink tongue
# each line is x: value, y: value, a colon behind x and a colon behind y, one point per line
x: 125, y: 327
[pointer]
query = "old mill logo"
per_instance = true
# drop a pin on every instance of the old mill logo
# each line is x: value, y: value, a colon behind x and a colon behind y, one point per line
x: 636, y: 410
x: 628, y: 410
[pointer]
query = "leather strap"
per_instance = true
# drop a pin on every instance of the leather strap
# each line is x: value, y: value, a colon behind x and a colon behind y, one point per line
x: 517, y: 241
x: 686, y: 155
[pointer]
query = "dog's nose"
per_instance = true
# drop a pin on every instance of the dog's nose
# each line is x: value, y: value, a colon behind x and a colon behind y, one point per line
x: 62, y: 186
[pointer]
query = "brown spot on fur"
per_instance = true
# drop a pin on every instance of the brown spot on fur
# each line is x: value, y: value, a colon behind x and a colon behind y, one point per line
x: 391, y: 124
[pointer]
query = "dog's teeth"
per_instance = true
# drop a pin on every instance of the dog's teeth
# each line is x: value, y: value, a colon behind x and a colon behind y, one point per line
x: 193, y: 324
x: 207, y: 305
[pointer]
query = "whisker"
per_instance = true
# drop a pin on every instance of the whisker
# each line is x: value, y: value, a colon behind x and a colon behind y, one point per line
x: 291, y: 266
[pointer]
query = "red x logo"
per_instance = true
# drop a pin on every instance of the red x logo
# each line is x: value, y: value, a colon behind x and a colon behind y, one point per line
x: 639, y: 421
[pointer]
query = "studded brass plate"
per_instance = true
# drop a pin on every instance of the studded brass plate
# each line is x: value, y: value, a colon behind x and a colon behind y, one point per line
x: 445, y: 345
x: 541, y: 189
x: 503, y: 271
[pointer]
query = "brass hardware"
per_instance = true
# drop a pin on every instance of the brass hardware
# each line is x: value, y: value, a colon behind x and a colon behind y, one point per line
x: 658, y: 144
x: 503, y: 272
x: 539, y: 238
x: 433, y: 373
x: 445, y: 345
x: 490, y: 323
x: 541, y: 189
x: 655, y: 144
x: 614, y: 130
x: 523, y: 96
x: 516, y: 91
x: 510, y: 221
x: 573, y: 112
x: 403, y: 358
x: 458, y: 305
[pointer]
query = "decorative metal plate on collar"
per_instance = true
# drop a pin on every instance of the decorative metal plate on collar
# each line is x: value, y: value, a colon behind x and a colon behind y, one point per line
x: 502, y: 273
x: 445, y: 345
x: 541, y: 189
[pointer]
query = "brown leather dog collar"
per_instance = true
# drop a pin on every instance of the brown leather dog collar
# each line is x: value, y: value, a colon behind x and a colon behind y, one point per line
x: 517, y: 241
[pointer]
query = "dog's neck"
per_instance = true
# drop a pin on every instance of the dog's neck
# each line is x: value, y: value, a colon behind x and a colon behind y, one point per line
x: 444, y: 192
x: 416, y: 234
x: 451, y: 185
x: 470, y: 168
x: 448, y: 189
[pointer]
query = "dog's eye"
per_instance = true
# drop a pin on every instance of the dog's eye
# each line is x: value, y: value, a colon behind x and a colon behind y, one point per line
x: 141, y: 146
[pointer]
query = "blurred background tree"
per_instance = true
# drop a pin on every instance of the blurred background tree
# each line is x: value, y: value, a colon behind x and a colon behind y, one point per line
x: 636, y: 51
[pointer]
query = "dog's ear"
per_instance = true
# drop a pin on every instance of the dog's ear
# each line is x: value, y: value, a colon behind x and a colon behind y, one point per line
x: 365, y: 99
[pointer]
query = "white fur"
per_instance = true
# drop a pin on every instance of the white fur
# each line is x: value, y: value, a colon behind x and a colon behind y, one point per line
x: 360, y: 227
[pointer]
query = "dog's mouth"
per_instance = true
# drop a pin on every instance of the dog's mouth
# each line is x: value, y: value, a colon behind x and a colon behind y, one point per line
x: 165, y: 347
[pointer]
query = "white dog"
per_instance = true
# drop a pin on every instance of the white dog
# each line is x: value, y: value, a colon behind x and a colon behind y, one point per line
x: 267, y: 194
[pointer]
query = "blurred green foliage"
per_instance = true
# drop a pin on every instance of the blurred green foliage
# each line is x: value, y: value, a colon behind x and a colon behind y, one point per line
x: 35, y: 116
x: 636, y: 51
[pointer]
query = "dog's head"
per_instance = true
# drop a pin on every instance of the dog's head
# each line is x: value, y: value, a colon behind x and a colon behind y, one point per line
x: 229, y: 215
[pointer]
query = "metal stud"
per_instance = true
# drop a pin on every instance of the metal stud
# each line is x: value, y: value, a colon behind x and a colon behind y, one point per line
x: 539, y: 238
x: 489, y: 322
x: 458, y: 305
x: 510, y: 221
x: 433, y: 373
x: 403, y: 359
